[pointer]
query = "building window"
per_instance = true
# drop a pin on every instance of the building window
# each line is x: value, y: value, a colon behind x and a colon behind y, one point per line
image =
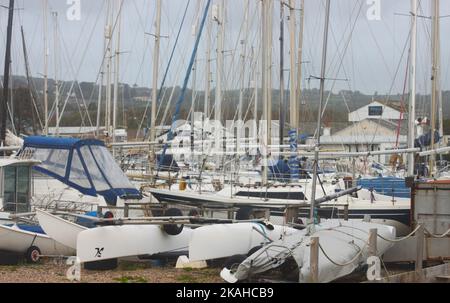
x: 375, y: 110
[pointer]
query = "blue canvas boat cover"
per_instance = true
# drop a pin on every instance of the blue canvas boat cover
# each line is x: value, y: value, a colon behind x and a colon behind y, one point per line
x: 85, y: 165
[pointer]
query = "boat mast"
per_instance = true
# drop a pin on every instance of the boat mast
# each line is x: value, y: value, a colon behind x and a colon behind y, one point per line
x: 108, y: 71
x: 155, y: 71
x: 412, y: 100
x: 102, y: 75
x: 45, y: 8
x: 207, y: 69
x: 299, y: 62
x: 282, y: 111
x: 55, y: 52
x: 264, y: 70
x: 319, y: 114
x: 218, y: 100
x: 435, y: 80
x: 293, y: 87
x: 293, y: 102
x: 116, y: 71
x: 194, y: 85
x: 4, y: 107
x: 240, y: 117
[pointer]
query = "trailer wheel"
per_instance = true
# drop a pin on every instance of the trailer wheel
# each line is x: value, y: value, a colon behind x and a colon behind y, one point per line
x: 8, y: 258
x: 234, y: 261
x: 173, y: 229
x: 33, y: 254
x: 108, y: 264
x: 244, y: 213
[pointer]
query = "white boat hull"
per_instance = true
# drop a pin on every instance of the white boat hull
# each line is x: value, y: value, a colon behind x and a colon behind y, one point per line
x: 224, y: 240
x: 111, y: 242
x: 62, y: 231
x: 16, y: 240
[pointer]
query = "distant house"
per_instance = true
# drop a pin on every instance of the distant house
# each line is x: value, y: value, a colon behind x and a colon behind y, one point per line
x: 373, y: 127
x: 376, y: 110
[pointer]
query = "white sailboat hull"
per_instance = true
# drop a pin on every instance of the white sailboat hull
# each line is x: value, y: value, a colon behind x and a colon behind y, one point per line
x: 343, y: 241
x: 15, y: 240
x: 111, y: 242
x: 62, y: 231
x: 224, y: 240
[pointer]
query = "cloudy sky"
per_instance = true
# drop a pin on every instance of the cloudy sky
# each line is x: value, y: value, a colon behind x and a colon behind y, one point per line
x: 371, y: 54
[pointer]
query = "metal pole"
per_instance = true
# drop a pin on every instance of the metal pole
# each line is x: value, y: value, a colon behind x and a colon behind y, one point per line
x: 55, y: 52
x: 412, y: 100
x: 116, y: 70
x: 265, y: 43
x: 155, y: 71
x: 45, y: 67
x: 282, y: 105
x: 319, y: 114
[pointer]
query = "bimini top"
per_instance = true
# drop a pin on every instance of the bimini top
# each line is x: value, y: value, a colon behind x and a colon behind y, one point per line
x: 85, y: 165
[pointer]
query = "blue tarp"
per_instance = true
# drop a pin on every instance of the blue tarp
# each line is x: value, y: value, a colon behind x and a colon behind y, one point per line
x: 390, y: 186
x: 85, y: 165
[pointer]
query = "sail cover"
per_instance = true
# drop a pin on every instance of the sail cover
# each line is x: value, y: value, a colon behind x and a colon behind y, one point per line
x: 85, y: 165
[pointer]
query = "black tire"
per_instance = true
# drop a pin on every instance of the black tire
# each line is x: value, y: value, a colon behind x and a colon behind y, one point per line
x: 253, y: 250
x: 244, y: 213
x: 101, y: 265
x: 234, y: 261
x: 173, y: 229
x: 9, y: 258
x: 108, y: 215
x: 33, y: 254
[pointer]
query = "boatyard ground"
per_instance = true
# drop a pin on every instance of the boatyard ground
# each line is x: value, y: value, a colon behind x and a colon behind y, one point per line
x: 127, y: 272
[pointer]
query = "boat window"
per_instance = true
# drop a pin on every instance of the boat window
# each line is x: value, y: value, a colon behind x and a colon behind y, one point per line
x: 272, y: 195
x: 107, y: 164
x: 23, y: 188
x: 99, y: 182
x: 10, y: 189
x: 17, y: 189
x: 54, y: 160
x: 77, y: 173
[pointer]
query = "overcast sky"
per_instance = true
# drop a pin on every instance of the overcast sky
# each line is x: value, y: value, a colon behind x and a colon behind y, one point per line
x: 367, y: 53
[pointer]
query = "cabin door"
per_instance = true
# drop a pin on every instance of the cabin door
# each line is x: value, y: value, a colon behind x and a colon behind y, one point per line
x: 17, y: 189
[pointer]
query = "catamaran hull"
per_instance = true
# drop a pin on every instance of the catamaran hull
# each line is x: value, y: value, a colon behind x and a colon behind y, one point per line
x: 344, y: 242
x: 62, y: 231
x: 112, y: 242
x: 224, y: 240
x: 13, y: 239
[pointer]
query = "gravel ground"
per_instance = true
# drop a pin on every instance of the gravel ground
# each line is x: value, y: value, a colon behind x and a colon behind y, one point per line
x: 55, y: 272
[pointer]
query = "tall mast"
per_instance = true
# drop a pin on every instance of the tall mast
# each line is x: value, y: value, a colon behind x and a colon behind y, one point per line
x: 116, y: 71
x: 293, y: 99
x: 282, y: 105
x: 293, y: 87
x: 194, y: 85
x: 435, y: 78
x: 4, y: 107
x: 102, y: 74
x: 240, y: 117
x: 207, y: 69
x: 218, y: 100
x: 155, y: 71
x: 55, y: 52
x: 108, y: 70
x: 319, y: 114
x: 412, y: 100
x: 265, y: 97
x: 45, y: 8
x: 299, y: 62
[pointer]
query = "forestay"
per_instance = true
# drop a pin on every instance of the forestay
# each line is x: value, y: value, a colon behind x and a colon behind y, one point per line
x: 85, y: 165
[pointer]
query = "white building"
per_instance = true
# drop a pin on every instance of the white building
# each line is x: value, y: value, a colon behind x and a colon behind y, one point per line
x: 373, y: 127
x: 376, y: 110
